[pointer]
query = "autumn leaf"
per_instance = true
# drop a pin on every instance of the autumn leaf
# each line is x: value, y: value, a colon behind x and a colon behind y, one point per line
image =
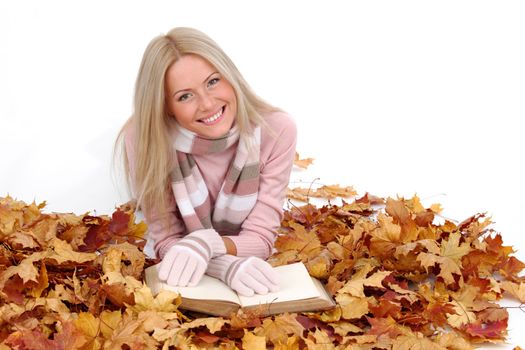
x: 277, y: 331
x: 251, y: 341
x: 327, y: 192
x: 302, y: 163
x: 517, y: 290
x: 300, y: 242
x: 415, y: 342
x: 76, y: 281
x: 355, y: 286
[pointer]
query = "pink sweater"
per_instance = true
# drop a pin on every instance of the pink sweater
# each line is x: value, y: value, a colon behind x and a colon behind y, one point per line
x: 257, y: 233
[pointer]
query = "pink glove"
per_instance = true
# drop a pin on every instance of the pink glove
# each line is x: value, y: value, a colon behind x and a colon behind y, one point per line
x: 186, y: 261
x: 244, y: 275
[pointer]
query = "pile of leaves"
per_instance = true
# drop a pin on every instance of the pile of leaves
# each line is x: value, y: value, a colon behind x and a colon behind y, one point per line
x: 402, y: 278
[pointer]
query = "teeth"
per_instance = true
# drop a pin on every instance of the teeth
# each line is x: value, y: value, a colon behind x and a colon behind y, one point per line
x: 213, y: 117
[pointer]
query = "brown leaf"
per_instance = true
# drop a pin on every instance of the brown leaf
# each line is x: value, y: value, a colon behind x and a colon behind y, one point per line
x: 277, y: 331
x: 302, y: 163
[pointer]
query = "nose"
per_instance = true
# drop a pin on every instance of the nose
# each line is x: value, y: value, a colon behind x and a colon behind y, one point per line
x: 206, y: 101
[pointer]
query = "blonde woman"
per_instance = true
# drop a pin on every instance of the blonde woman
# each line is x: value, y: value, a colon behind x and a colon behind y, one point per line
x: 208, y: 162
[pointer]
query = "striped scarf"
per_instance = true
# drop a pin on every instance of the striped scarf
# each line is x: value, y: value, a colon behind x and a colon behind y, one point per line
x: 238, y: 192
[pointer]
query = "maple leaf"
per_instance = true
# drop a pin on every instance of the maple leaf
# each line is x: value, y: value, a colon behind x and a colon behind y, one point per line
x: 437, y: 311
x: 385, y: 308
x: 302, y: 163
x: 343, y: 328
x: 23, y: 240
x: 388, y: 326
x: 326, y: 192
x: 43, y: 282
x: 453, y: 249
x: 493, y: 331
x: 319, y: 340
x: 463, y: 305
x: 165, y: 301
x: 109, y: 321
x: 277, y: 330
x: 301, y: 242
x: 62, y: 252
x: 90, y: 327
x: 26, y: 270
x: 320, y: 266
x: 252, y: 341
x: 214, y: 324
x: 151, y: 320
x: 355, y: 286
x: 398, y: 210
x: 124, y: 258
x: 415, y: 342
x: 352, y: 307
x: 126, y: 333
x: 292, y: 343
x: 452, y: 341
x: 515, y: 289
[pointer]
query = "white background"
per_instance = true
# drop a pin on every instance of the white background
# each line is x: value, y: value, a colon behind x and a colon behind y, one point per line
x: 392, y: 97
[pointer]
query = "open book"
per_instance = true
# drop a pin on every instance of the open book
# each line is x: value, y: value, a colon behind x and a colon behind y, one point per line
x: 298, y: 292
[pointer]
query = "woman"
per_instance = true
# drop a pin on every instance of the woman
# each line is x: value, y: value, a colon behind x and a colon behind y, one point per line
x: 209, y: 162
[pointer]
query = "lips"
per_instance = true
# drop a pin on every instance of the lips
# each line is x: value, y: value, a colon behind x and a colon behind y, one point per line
x: 215, y: 118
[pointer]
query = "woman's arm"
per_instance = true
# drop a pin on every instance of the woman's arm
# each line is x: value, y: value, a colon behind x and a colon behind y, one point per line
x: 258, y: 232
x: 164, y: 227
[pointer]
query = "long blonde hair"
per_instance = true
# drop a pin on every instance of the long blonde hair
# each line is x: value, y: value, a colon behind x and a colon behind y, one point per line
x: 150, y: 179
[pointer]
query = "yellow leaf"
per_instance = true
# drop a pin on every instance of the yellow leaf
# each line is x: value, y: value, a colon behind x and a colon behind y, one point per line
x: 356, y: 285
x: 415, y: 342
x: 277, y: 331
x: 90, y: 327
x: 462, y: 316
x: 251, y: 341
x: 26, y: 270
x: 515, y: 289
x: 453, y: 249
x: 452, y: 341
x: 322, y: 341
x: 150, y: 320
x: 88, y: 324
x: 446, y: 264
x: 111, y: 261
x: 342, y: 328
x: 352, y: 307
x: 61, y: 252
x: 165, y: 301
x: 43, y: 282
x: 214, y: 324
x: 430, y: 245
x: 302, y: 163
x: 109, y: 321
x: 291, y: 344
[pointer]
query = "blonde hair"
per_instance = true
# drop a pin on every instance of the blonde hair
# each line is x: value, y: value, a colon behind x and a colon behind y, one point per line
x: 151, y: 120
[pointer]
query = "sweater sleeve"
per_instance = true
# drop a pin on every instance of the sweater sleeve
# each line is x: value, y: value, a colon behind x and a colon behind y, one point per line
x: 164, y: 227
x: 258, y: 231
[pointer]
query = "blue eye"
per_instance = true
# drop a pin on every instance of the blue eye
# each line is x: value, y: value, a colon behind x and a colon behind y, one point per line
x: 213, y: 81
x: 184, y: 97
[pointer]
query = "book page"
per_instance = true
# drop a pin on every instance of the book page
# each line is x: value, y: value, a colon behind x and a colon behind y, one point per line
x: 209, y: 288
x: 295, y: 283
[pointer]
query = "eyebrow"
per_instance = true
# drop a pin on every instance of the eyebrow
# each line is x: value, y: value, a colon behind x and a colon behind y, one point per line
x: 208, y: 77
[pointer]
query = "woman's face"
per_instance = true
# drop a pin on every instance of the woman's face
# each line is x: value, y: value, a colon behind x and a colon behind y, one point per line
x: 199, y: 98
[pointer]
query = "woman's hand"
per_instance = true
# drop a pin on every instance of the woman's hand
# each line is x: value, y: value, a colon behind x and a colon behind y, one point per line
x: 186, y: 261
x: 247, y: 276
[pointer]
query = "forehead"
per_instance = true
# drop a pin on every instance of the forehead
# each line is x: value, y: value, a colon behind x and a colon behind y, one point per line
x: 187, y: 72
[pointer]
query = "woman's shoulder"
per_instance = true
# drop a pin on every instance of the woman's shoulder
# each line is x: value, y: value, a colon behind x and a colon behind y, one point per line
x: 280, y: 122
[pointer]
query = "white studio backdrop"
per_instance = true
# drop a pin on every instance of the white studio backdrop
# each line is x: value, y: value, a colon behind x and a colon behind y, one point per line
x: 391, y: 97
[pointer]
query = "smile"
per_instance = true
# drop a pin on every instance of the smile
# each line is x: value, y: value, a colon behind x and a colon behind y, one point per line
x: 214, y: 118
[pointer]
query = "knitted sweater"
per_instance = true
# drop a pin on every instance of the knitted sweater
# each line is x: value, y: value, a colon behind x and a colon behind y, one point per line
x: 257, y: 233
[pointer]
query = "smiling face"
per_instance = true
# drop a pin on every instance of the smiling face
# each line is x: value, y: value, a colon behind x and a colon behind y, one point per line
x: 199, y: 98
